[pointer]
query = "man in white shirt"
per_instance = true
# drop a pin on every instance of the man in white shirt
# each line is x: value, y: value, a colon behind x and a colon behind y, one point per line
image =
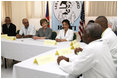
x: 95, y: 61
x: 27, y: 31
x: 108, y: 36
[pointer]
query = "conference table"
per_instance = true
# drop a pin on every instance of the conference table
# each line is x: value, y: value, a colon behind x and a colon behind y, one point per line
x: 26, y: 50
x: 28, y: 69
x: 22, y: 49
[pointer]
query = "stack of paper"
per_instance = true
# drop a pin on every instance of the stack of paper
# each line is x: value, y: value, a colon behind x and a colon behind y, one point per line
x: 65, y: 51
x: 50, y: 42
x: 4, y: 36
x: 11, y: 38
x: 74, y: 44
x: 44, y: 59
x: 8, y: 37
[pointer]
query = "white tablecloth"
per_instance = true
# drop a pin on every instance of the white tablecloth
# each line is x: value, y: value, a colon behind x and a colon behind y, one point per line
x: 22, y: 49
x: 27, y: 69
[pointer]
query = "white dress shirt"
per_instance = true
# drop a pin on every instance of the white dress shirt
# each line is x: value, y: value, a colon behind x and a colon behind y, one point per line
x: 68, y: 36
x: 29, y: 31
x: 95, y: 61
x: 110, y: 38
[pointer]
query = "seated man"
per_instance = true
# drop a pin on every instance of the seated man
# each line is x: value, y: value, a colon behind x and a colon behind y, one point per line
x: 8, y: 28
x: 108, y: 36
x: 90, y: 21
x: 27, y: 31
x: 95, y: 61
x: 44, y: 32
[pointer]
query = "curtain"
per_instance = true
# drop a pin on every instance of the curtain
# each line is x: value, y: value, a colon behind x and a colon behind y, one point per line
x: 6, y: 10
x: 35, y: 9
x: 97, y: 8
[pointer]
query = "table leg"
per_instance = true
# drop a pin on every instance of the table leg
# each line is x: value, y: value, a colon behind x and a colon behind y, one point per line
x: 5, y: 63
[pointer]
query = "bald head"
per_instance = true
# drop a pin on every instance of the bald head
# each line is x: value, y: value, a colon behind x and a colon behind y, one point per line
x: 92, y: 32
x: 25, y: 22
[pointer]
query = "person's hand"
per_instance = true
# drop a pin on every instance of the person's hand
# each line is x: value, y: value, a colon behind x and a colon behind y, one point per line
x: 42, y: 37
x: 62, y: 58
x: 77, y: 50
x: 18, y: 36
x: 62, y: 40
x: 25, y: 36
x: 35, y: 37
x: 58, y: 40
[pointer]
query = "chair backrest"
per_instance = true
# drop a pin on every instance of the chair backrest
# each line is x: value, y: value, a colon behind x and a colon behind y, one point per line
x: 74, y: 37
x: 54, y: 34
x: 17, y: 31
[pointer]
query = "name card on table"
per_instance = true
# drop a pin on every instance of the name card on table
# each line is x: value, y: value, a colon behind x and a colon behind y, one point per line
x: 65, y: 51
x: 50, y: 42
x: 74, y: 44
x: 8, y: 37
x: 44, y: 59
x: 11, y: 38
x: 4, y: 36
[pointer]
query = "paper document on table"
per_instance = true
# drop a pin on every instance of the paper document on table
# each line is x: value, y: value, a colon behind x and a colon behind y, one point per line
x: 44, y: 59
x: 74, y: 44
x: 11, y: 38
x: 65, y: 51
x: 8, y: 37
x: 50, y: 42
x: 4, y: 36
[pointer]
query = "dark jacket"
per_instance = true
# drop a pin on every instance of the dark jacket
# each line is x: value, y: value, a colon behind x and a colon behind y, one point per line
x: 11, y: 31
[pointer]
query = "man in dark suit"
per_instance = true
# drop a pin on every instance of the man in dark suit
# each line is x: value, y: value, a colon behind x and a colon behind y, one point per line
x: 8, y: 28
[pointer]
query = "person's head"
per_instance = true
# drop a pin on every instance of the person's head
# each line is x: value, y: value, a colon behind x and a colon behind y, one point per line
x: 44, y: 23
x: 7, y: 20
x: 102, y: 20
x: 112, y: 23
x: 66, y: 24
x: 90, y: 21
x: 92, y: 32
x: 25, y: 22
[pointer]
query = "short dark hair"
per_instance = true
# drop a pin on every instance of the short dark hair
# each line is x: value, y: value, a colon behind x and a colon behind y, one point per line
x: 94, y: 30
x: 102, y: 20
x: 7, y: 17
x: 68, y: 22
x: 43, y: 20
x: 90, y: 21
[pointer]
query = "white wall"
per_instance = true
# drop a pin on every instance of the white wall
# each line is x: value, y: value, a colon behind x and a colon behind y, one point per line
x: 18, y: 13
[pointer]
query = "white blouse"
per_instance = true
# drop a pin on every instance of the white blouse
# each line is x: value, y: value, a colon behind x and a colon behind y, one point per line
x: 68, y: 36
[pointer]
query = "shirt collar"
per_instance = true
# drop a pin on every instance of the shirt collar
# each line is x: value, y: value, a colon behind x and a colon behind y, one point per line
x: 106, y: 31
